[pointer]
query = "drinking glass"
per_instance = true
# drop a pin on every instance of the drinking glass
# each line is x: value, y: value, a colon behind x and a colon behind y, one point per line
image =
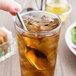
x: 38, y: 43
x: 60, y: 7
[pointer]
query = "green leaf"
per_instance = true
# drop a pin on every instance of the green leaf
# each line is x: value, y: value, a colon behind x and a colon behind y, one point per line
x: 0, y: 53
x: 73, y: 31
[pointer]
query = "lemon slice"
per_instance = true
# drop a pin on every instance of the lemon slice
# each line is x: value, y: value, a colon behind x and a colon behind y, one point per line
x: 39, y: 63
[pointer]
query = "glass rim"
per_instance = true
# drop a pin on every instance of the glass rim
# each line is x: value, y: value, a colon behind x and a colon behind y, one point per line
x: 69, y: 11
x: 50, y: 31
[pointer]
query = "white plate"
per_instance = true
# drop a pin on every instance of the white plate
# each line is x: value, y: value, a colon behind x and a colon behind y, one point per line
x: 68, y: 39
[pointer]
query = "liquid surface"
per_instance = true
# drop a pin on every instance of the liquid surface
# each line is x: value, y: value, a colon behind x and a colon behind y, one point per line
x: 58, y: 9
x: 40, y: 23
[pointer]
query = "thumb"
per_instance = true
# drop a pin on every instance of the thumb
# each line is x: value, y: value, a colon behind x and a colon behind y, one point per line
x: 10, y: 6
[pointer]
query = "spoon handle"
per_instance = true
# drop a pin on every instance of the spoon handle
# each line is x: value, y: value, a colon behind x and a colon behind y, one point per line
x: 41, y: 5
x: 21, y: 21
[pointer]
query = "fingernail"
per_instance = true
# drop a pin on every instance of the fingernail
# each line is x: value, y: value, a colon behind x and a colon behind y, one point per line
x: 16, y: 8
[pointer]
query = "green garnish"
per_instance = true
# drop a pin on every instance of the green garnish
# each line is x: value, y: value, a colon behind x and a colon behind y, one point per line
x: 73, y: 31
x: 0, y: 53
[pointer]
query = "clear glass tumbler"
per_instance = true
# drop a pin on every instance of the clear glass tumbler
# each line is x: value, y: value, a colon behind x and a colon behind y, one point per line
x: 38, y: 44
x: 7, y: 49
x: 60, y: 7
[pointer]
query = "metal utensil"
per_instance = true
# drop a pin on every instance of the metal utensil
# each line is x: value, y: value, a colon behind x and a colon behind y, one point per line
x: 41, y: 5
x: 21, y: 21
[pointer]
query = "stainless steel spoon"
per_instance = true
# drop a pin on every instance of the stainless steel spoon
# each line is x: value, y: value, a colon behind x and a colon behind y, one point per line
x: 21, y: 21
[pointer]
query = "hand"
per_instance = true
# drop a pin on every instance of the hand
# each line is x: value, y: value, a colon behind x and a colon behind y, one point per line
x: 10, y: 5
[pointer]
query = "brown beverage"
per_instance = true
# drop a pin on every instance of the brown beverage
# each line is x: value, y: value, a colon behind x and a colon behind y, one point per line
x: 38, y: 45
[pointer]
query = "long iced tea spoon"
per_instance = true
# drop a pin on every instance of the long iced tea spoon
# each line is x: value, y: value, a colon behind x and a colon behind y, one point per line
x: 21, y: 21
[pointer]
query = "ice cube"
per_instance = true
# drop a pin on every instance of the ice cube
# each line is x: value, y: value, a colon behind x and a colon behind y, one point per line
x: 38, y: 23
x: 49, y: 25
x: 44, y: 17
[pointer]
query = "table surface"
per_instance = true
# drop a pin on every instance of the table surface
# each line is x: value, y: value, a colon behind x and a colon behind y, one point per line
x: 66, y: 61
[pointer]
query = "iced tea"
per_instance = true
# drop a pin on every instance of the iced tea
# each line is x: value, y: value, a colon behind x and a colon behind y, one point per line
x: 38, y: 45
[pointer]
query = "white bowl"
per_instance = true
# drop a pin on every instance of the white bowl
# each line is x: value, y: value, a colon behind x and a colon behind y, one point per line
x: 68, y: 39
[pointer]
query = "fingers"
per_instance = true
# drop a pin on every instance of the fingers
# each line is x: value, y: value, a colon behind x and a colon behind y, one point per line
x: 10, y: 6
x: 14, y: 14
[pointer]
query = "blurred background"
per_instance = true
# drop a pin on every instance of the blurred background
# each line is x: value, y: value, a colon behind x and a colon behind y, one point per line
x: 66, y: 65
